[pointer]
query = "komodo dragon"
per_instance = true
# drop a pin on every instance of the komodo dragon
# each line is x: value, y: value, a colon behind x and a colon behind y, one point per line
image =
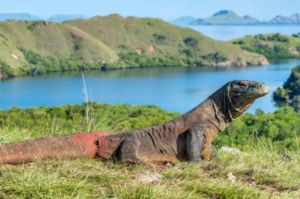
x: 186, y: 138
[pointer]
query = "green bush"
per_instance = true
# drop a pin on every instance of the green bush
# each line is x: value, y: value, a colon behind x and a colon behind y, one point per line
x: 276, y: 51
x: 190, y: 41
x: 281, y: 129
x: 278, y: 37
x: 144, y: 60
x: 45, y: 64
x: 290, y: 92
x: 216, y: 57
x: 159, y: 38
x: 6, y: 71
x: 72, y: 118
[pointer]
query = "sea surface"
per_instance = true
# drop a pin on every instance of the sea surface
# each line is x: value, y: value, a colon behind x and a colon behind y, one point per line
x: 228, y: 32
x: 173, y: 89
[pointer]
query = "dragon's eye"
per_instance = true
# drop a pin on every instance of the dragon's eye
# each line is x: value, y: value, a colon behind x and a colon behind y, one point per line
x: 242, y: 84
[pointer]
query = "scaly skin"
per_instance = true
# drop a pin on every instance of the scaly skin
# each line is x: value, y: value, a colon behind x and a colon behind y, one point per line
x: 68, y: 147
x: 186, y: 138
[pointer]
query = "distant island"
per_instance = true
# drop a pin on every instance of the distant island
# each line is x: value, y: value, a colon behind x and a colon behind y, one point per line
x: 228, y: 17
x: 29, y: 17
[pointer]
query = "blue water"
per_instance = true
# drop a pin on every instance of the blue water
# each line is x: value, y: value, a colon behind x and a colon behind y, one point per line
x: 225, y: 33
x: 174, y: 89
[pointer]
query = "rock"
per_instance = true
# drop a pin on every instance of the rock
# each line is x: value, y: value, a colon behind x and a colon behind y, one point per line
x: 151, y: 49
x: 149, y: 177
x: 169, y: 164
x: 223, y: 64
x: 233, y: 151
x: 231, y: 177
x: 14, y: 56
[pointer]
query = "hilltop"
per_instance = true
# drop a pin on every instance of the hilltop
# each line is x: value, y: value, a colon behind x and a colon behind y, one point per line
x: 35, y: 47
x: 271, y: 45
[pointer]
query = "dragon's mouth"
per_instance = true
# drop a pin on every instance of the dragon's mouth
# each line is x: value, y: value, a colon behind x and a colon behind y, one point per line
x: 262, y: 90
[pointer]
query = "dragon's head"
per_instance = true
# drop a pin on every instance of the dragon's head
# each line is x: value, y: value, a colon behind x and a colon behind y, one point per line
x: 242, y: 93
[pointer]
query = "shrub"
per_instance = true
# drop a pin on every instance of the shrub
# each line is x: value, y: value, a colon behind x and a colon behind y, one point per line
x: 216, y: 57
x: 6, y: 71
x: 159, y: 38
x: 190, y: 41
x: 289, y: 93
x: 44, y: 64
x: 278, y: 37
x: 280, y: 128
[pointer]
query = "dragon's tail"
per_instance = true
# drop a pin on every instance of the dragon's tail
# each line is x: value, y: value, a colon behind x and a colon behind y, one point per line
x: 65, y: 147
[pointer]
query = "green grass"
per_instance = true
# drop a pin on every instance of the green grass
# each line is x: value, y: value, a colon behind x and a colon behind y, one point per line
x: 262, y: 172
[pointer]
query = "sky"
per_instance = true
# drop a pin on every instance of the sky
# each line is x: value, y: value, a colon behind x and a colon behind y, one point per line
x: 165, y: 9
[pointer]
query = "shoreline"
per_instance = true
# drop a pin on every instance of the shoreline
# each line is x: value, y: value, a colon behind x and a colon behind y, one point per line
x: 224, y: 65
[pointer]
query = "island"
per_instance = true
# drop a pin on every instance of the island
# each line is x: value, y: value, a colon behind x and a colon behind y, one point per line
x: 229, y: 17
x: 110, y: 42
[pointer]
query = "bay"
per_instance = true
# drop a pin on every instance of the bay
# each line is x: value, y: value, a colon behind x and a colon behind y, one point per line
x: 174, y: 89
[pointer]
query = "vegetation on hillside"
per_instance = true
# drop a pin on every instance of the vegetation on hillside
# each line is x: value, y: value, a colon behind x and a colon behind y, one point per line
x: 267, y: 169
x: 36, y: 47
x: 271, y: 45
x: 289, y: 94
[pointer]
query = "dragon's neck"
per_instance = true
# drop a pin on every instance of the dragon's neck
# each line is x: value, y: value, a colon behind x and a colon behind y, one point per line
x: 216, y: 111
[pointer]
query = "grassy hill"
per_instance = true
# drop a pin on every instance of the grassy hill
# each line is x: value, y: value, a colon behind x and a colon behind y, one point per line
x: 51, y: 39
x: 158, y: 38
x: 267, y: 168
x: 271, y: 45
x: 34, y: 47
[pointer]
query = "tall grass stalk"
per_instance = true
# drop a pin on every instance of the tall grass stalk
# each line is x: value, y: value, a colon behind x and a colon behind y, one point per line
x: 86, y: 99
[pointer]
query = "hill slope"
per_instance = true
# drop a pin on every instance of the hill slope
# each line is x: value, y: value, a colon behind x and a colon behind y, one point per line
x: 271, y: 45
x: 113, y: 41
x: 156, y: 37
